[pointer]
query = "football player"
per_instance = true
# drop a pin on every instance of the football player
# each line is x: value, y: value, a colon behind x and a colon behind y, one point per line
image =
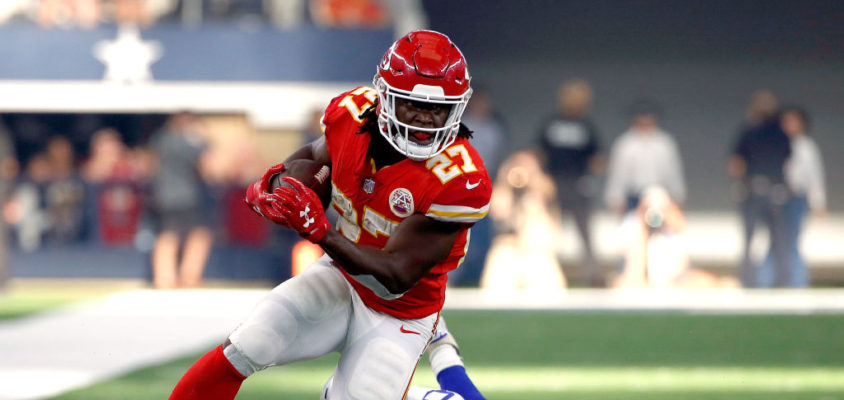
x: 407, y: 185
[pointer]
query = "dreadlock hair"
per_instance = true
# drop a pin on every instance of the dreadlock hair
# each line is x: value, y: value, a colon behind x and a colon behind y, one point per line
x: 370, y: 123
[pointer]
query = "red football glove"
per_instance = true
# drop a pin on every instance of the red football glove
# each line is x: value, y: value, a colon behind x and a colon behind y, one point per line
x: 302, y: 209
x: 260, y: 200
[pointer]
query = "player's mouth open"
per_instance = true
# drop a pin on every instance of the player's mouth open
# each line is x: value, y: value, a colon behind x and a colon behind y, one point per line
x: 422, y: 138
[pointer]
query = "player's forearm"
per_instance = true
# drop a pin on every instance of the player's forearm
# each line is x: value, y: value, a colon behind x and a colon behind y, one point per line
x: 304, y: 153
x: 389, y: 269
x: 316, y: 150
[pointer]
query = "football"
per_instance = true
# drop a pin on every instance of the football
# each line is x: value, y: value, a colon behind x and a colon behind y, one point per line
x: 312, y: 174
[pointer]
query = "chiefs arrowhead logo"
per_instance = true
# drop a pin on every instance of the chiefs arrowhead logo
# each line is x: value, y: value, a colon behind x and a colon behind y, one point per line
x: 401, y: 202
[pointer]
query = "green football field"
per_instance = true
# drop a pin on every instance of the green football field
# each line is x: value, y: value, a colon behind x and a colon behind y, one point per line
x: 24, y: 300
x: 561, y: 355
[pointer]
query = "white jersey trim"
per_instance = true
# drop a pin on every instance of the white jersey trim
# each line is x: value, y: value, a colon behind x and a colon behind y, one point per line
x: 456, y: 213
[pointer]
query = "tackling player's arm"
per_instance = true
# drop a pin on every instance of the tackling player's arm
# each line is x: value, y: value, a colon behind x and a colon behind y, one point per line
x: 413, y: 249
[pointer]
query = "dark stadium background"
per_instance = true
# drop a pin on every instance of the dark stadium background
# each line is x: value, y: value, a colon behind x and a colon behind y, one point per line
x: 699, y: 60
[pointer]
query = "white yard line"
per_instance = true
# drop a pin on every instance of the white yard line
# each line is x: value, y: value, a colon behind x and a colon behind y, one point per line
x: 54, y: 352
x: 58, y: 351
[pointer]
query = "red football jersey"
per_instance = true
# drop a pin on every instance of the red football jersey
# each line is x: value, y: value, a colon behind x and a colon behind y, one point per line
x: 453, y: 186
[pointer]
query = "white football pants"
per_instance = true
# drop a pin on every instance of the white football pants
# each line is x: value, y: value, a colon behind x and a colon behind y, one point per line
x: 318, y: 312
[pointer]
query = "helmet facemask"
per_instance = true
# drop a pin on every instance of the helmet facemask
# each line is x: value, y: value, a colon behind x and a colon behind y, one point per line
x: 398, y: 133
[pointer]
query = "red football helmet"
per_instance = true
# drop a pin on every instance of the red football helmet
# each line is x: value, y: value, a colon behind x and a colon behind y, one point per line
x: 422, y: 66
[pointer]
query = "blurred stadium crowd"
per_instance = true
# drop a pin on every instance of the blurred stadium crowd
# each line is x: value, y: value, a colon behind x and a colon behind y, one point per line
x: 118, y: 180
x: 775, y: 167
x: 68, y: 184
x: 284, y: 14
x: 156, y: 183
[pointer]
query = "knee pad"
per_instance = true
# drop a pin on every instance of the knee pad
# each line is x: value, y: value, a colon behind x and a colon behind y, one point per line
x: 258, y: 343
x: 382, y: 372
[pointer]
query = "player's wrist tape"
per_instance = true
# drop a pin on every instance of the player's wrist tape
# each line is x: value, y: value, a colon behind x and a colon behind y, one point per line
x: 444, y: 356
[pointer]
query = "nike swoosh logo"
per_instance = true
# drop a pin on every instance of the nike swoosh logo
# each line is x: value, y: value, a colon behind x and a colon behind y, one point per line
x: 401, y: 328
x: 471, y: 186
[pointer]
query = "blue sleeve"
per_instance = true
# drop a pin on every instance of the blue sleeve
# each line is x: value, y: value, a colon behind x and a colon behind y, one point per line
x: 455, y: 379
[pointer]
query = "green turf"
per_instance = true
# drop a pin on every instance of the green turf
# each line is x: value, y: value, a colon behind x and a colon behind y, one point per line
x: 626, y: 339
x: 22, y: 301
x: 555, y: 355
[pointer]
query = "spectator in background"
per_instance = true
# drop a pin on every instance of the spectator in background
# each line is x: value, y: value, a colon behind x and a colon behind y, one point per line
x: 26, y: 210
x: 48, y: 202
x: 568, y: 141
x: 65, y: 193
x: 139, y: 12
x: 285, y: 14
x: 654, y: 247
x: 88, y: 14
x: 8, y: 171
x: 358, y: 14
x: 760, y: 110
x: 242, y: 225
x: 69, y: 13
x: 177, y: 192
x: 115, y: 176
x: 523, y: 254
x: 804, y: 176
x: 643, y: 156
x: 108, y: 157
x: 491, y: 137
x: 756, y: 163
x: 489, y: 140
x: 404, y: 15
x: 62, y: 157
